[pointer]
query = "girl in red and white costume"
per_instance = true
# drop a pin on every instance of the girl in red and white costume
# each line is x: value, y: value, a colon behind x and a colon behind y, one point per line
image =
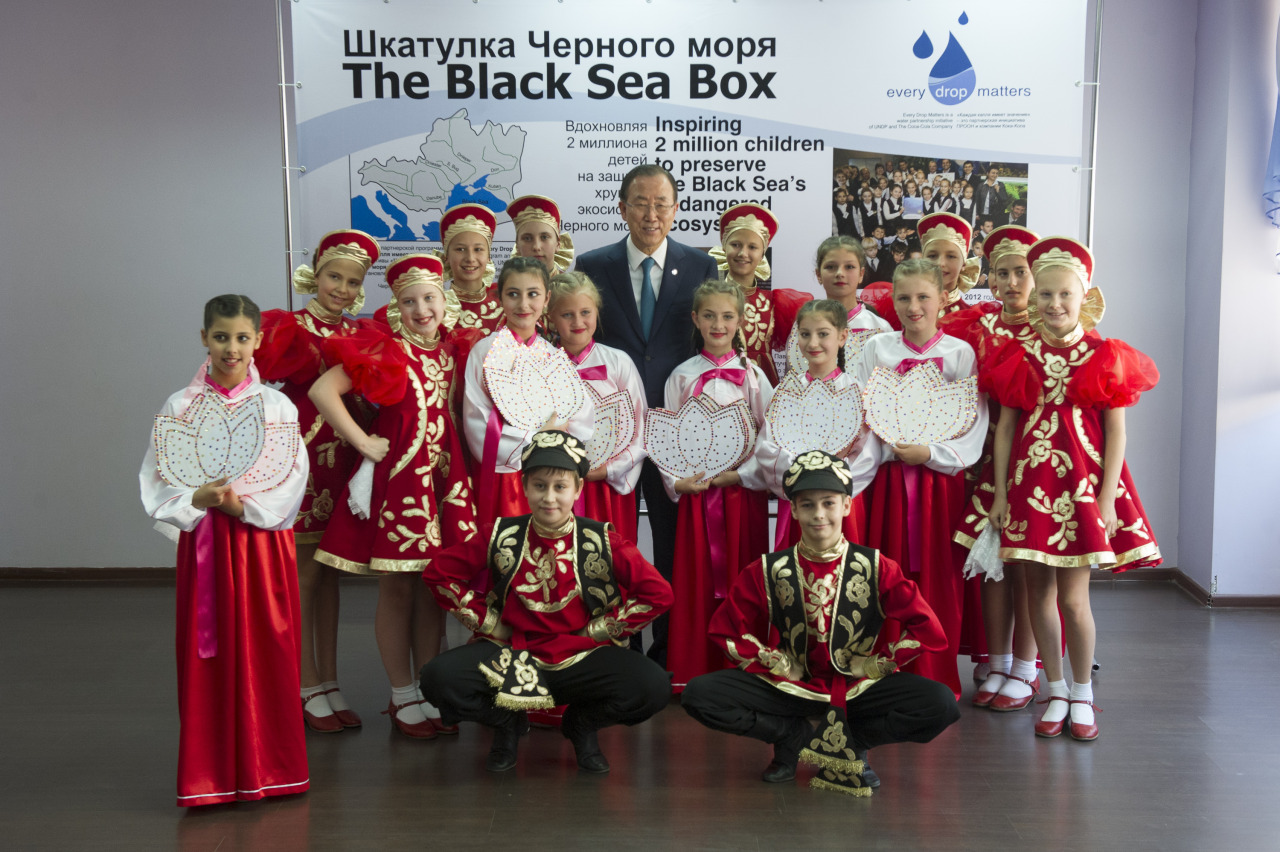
x: 1005, y: 622
x: 495, y: 444
x: 609, y: 491
x: 466, y: 234
x: 290, y: 353
x: 1070, y: 504
x: 917, y: 497
x: 821, y: 332
x: 421, y: 499
x: 237, y: 624
x: 720, y: 526
x: 538, y: 235
x: 745, y: 232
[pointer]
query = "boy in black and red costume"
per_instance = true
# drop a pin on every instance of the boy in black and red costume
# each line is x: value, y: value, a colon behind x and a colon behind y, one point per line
x: 553, y: 600
x: 821, y: 629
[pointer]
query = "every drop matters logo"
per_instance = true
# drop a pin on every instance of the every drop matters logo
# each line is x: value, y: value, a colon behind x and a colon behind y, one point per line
x: 951, y: 80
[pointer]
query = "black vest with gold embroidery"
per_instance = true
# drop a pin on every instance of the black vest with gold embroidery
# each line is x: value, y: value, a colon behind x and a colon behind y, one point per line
x: 856, y: 617
x: 592, y: 561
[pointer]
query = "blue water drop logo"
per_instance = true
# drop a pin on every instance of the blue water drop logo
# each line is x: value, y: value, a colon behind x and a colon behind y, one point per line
x: 952, y: 78
x: 923, y: 48
x: 964, y: 18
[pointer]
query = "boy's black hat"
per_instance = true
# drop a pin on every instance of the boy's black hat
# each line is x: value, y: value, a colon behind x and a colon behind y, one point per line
x: 553, y: 448
x: 817, y: 471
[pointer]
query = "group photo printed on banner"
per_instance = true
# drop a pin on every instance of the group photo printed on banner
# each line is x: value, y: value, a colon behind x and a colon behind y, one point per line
x: 664, y: 371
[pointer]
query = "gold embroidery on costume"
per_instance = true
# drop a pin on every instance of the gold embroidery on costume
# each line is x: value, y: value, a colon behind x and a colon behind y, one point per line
x: 1042, y: 450
x: 757, y: 325
x: 313, y: 431
x: 544, y: 578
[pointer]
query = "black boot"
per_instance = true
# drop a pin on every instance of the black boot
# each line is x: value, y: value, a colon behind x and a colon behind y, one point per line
x: 869, y: 776
x: 585, y: 744
x: 786, y: 752
x: 502, y: 754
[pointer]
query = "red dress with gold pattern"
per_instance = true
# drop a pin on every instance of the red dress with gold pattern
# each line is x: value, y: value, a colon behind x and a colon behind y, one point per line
x: 1062, y: 389
x: 290, y: 353
x: 422, y: 498
x: 482, y: 312
x: 770, y: 314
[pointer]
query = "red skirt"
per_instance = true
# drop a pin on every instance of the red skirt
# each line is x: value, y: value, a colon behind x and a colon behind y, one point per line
x: 600, y: 502
x: 698, y: 592
x: 932, y: 560
x: 242, y: 735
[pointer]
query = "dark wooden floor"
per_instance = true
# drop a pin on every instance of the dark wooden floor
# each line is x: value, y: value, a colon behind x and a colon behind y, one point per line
x: 1189, y: 756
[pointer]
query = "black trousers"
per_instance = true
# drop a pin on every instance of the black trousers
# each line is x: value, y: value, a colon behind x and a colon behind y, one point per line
x: 610, y: 686
x: 662, y: 521
x: 900, y: 708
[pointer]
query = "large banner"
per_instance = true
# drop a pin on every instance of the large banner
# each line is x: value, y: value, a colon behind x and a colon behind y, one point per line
x: 810, y: 108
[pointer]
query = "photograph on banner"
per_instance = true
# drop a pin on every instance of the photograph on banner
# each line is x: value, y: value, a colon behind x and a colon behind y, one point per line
x: 397, y: 120
x: 878, y: 198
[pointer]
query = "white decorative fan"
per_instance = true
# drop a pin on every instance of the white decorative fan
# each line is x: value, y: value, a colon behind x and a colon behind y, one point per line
x: 853, y: 344
x: 701, y: 437
x: 216, y: 438
x: 921, y: 407
x: 529, y: 385
x: 615, y: 426
x: 807, y: 416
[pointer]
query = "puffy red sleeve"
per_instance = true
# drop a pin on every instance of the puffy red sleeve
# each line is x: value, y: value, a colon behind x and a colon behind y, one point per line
x: 463, y: 340
x: 460, y: 580
x: 964, y: 323
x: 900, y: 599
x: 1007, y: 377
x: 1115, y: 377
x: 880, y: 297
x: 380, y: 316
x: 289, y: 353
x: 786, y: 304
x: 377, y: 367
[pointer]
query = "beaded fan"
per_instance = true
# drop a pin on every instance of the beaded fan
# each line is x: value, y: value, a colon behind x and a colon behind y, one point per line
x: 615, y: 426
x: 701, y: 437
x: 529, y: 385
x: 807, y: 416
x: 853, y: 344
x: 216, y: 438
x: 921, y: 407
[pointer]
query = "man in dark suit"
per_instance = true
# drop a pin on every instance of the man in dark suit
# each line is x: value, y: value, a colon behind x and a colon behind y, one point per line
x: 646, y: 285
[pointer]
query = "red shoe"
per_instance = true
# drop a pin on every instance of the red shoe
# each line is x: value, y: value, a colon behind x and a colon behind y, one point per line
x: 1084, y: 733
x: 417, y: 730
x: 1051, y: 729
x: 348, y: 717
x: 1005, y: 704
x: 983, y: 699
x: 320, y: 724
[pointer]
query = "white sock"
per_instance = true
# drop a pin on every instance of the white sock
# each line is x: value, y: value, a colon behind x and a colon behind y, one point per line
x: 1082, y: 714
x: 316, y: 702
x: 336, y: 701
x: 411, y: 715
x: 428, y: 709
x: 1016, y: 688
x: 995, y: 680
x: 1056, y: 711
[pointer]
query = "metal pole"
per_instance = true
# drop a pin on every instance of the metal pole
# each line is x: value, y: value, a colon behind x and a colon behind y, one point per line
x: 1093, y: 144
x: 284, y: 154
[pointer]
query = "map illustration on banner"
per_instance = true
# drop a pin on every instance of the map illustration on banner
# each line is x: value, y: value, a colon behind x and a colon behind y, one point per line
x: 403, y: 199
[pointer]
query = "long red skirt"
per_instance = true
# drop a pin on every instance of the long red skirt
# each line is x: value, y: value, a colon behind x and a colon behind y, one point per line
x: 600, y: 502
x: 242, y: 734
x: 938, y: 561
x: 690, y: 652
